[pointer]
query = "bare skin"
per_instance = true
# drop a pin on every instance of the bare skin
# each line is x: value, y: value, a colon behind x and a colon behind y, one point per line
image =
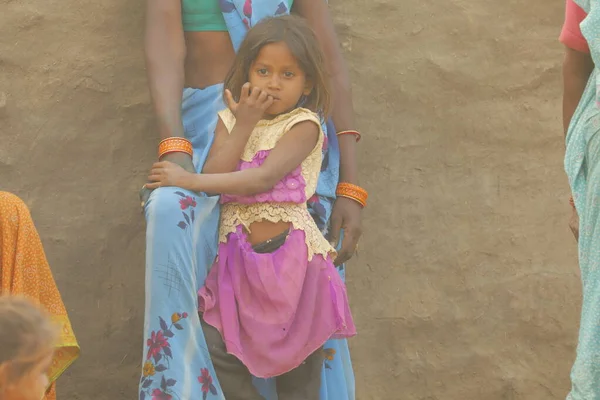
x: 176, y: 59
x: 577, y: 67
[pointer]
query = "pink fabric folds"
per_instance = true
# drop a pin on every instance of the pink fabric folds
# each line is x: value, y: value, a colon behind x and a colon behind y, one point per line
x: 273, y: 310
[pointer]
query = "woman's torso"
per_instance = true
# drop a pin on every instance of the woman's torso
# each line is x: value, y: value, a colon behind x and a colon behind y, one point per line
x: 208, y: 58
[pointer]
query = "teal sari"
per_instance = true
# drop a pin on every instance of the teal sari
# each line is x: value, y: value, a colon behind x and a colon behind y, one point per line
x: 582, y: 165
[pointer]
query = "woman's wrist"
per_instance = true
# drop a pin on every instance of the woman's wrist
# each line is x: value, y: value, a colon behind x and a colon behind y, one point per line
x: 349, y: 171
x: 352, y: 192
x: 184, y: 160
x: 348, y: 161
x: 175, y: 145
x: 169, y: 127
x: 349, y: 177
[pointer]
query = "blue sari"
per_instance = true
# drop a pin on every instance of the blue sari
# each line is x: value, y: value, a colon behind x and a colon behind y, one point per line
x: 181, y: 245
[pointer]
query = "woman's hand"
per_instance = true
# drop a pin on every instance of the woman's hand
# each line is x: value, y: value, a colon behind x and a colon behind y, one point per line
x: 574, y: 224
x: 166, y: 173
x: 182, y: 159
x: 251, y: 107
x: 346, y: 215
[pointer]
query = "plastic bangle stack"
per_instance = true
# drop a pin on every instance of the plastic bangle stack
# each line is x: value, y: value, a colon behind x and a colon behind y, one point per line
x: 174, y: 145
x: 353, y: 192
x: 350, y: 132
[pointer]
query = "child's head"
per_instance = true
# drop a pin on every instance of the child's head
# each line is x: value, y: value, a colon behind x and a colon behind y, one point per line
x: 27, y: 339
x: 282, y: 56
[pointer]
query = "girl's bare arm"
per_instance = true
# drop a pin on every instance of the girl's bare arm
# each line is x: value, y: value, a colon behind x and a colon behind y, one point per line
x: 290, y: 151
x: 227, y: 148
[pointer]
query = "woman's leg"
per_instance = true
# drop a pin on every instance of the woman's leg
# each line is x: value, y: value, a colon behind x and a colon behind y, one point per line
x: 181, y: 244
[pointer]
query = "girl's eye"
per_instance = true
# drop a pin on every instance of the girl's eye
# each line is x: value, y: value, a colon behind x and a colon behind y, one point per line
x: 288, y: 74
x: 262, y: 71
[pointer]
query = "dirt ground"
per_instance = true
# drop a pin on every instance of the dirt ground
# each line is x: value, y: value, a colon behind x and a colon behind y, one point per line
x: 466, y: 286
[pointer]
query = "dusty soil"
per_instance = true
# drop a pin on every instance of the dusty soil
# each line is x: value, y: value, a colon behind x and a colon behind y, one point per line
x: 466, y: 286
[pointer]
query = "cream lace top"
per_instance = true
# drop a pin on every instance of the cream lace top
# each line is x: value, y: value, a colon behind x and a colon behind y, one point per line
x: 287, y: 200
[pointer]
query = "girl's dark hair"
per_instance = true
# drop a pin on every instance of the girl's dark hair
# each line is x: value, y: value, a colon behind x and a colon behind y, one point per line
x: 303, y: 44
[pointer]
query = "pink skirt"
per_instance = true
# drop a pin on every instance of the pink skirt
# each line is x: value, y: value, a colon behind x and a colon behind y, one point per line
x: 273, y: 310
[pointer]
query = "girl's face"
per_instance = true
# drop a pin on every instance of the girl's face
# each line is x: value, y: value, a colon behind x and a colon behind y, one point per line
x: 276, y: 71
x: 33, y: 384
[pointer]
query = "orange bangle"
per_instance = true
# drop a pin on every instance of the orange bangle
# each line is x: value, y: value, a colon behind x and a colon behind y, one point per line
x: 571, y: 201
x: 350, y: 132
x: 353, y: 192
x: 173, y: 145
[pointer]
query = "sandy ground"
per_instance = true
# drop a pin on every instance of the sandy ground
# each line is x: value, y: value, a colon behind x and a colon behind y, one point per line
x: 466, y: 286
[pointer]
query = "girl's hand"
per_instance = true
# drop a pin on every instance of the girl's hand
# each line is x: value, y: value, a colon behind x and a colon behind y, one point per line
x: 346, y: 215
x: 182, y: 159
x: 252, y: 105
x: 166, y: 173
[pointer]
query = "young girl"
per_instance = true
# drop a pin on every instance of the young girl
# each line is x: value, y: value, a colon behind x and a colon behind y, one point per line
x: 273, y: 296
x: 27, y: 342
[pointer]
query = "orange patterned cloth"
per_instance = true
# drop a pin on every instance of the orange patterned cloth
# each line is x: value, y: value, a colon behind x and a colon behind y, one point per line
x: 24, y: 270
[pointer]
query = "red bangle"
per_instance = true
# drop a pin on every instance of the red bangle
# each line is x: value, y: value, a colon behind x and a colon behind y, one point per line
x: 173, y: 145
x: 353, y: 192
x: 571, y: 201
x: 350, y: 132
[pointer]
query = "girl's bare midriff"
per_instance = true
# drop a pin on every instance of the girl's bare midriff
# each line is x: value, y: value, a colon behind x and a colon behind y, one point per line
x: 209, y: 55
